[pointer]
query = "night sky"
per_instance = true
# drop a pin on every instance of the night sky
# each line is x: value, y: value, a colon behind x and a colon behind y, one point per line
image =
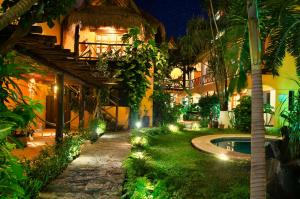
x: 174, y: 14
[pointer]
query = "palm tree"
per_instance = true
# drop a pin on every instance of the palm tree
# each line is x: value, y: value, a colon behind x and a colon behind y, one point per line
x: 280, y: 23
x: 20, y: 8
x: 278, y: 30
x: 258, y: 162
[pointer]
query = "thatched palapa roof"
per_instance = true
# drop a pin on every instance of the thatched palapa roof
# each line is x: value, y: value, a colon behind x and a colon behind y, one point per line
x: 116, y: 13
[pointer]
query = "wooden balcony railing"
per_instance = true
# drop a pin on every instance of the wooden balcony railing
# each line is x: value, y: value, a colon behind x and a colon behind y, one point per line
x: 194, y: 83
x: 91, y: 51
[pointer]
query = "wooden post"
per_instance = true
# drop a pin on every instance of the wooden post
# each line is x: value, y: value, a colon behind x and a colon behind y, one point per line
x: 81, y: 107
x: 117, y: 116
x: 184, y: 77
x: 76, y: 41
x: 67, y: 109
x: 60, y: 107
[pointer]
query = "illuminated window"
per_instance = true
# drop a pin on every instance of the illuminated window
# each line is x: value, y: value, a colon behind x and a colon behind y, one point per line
x: 235, y: 100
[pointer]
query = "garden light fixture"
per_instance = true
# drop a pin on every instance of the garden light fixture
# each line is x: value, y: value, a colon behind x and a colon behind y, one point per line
x: 138, y: 124
x: 173, y: 128
x: 223, y: 156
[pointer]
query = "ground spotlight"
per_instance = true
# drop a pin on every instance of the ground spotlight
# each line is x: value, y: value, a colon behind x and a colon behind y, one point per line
x: 138, y: 124
x: 223, y: 156
x: 173, y: 128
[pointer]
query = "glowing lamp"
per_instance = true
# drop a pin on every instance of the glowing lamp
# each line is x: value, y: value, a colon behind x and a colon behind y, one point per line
x: 173, y: 128
x: 138, y: 124
x: 223, y: 157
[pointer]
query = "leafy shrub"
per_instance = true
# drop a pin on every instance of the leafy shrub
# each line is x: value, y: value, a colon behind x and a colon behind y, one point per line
x: 204, y: 122
x: 236, y: 191
x: 180, y: 126
x: 155, y: 131
x: 139, y: 142
x: 291, y: 118
x: 97, y: 128
x: 164, y: 113
x: 191, y: 112
x: 137, y: 185
x: 16, y: 115
x: 144, y: 188
x: 49, y: 164
x: 273, y: 131
x: 11, y: 170
x: 209, y: 108
x: 242, y: 115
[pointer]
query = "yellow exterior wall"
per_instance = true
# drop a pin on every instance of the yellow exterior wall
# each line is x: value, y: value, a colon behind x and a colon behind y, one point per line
x: 146, y: 107
x: 68, y: 41
x: 54, y: 31
x: 280, y: 85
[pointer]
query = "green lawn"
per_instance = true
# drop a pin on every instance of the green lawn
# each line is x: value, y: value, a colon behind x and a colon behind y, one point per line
x: 187, y: 172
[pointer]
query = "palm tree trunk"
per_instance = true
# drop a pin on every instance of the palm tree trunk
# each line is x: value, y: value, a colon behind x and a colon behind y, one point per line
x: 15, y: 12
x: 258, y: 162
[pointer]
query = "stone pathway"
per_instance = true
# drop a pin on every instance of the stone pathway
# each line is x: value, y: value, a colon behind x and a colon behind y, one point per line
x: 96, y: 174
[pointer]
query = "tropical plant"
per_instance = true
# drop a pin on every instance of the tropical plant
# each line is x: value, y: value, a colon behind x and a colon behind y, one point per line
x: 163, y: 110
x: 49, y: 164
x: 242, y: 115
x: 18, y: 115
x: 291, y: 118
x: 11, y: 170
x: 258, y: 161
x: 134, y: 67
x: 97, y: 127
x: 277, y: 30
x: 209, y: 109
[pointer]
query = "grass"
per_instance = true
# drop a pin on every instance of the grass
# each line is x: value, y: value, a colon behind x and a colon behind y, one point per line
x: 187, y: 172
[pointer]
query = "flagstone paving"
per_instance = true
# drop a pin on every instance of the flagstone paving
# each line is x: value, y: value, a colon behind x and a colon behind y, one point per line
x: 96, y: 173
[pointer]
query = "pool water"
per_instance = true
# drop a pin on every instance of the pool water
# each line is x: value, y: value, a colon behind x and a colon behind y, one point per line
x: 234, y: 144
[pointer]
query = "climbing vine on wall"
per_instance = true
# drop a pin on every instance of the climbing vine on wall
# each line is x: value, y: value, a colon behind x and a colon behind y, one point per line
x: 134, y: 67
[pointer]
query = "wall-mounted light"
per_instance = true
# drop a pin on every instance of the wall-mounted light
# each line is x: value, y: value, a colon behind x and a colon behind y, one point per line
x: 55, y: 88
x: 31, y: 87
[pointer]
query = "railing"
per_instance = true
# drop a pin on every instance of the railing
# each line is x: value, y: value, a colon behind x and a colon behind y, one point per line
x: 194, y: 83
x: 91, y: 51
x: 114, y: 101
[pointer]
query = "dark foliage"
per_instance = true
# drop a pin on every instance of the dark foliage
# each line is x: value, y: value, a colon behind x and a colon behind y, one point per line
x: 242, y: 115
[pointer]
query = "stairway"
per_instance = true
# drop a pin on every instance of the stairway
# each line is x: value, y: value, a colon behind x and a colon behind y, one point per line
x: 112, y: 120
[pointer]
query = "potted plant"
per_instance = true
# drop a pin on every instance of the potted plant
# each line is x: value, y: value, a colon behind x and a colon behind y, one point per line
x: 22, y: 136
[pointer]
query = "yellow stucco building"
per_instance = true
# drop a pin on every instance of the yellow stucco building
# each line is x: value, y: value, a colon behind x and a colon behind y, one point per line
x: 83, y: 34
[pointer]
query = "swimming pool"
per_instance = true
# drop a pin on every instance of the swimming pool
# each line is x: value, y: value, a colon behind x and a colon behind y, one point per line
x: 234, y: 144
x: 241, y: 145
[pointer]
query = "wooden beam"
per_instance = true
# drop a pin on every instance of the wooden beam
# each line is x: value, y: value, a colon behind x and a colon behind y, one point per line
x: 60, y: 107
x: 67, y: 109
x: 81, y: 107
x: 76, y: 41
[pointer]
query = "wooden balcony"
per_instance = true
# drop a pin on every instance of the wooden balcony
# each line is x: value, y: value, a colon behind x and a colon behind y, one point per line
x: 194, y: 83
x: 91, y: 51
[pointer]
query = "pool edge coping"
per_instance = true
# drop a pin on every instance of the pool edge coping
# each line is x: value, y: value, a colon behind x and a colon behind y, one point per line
x: 203, y: 143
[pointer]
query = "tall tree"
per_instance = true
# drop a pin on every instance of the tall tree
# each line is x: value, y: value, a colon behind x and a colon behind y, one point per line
x: 276, y: 33
x: 258, y: 162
